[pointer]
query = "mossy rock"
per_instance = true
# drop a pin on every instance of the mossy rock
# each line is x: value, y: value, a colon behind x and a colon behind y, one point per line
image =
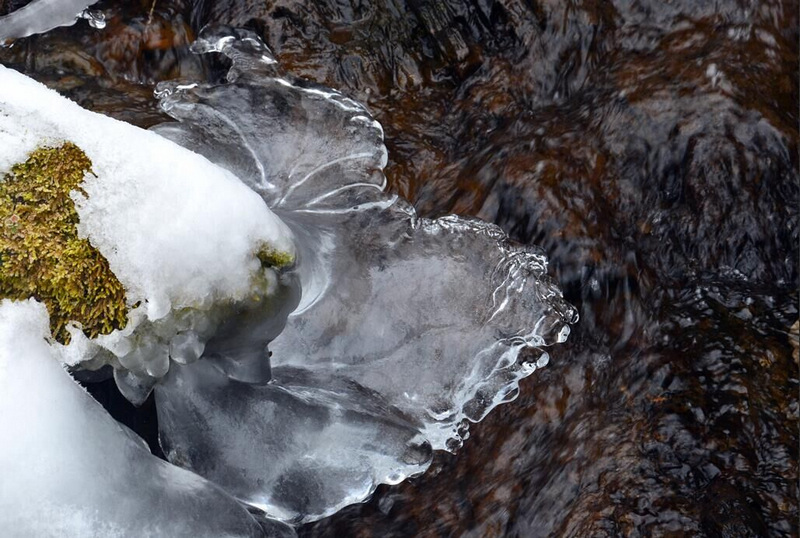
x: 41, y: 255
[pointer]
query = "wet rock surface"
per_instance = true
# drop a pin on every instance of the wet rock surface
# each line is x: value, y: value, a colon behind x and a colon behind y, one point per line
x: 650, y: 148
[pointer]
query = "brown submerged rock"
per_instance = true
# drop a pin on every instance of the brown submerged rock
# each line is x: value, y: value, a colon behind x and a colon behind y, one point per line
x: 651, y: 148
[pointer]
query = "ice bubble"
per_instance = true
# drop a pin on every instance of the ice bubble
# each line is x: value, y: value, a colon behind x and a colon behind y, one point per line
x: 186, y: 347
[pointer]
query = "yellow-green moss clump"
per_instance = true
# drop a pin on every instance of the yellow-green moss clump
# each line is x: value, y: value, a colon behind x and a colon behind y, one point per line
x: 41, y: 255
x: 270, y: 257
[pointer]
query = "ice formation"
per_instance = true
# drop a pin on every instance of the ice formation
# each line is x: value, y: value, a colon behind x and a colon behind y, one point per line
x: 300, y: 447
x: 41, y: 16
x: 70, y: 470
x: 430, y: 317
x: 388, y: 332
x: 181, y: 234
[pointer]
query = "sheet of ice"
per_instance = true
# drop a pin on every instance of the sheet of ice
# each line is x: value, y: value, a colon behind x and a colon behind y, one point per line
x: 70, y: 470
x: 180, y: 233
x: 300, y: 447
x: 432, y: 314
x: 41, y: 16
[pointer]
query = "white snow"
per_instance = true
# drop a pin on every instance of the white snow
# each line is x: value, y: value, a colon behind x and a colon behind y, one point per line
x: 178, y: 231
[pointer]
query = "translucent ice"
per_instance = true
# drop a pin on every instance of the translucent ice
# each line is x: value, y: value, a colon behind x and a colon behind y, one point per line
x: 405, y: 325
x: 300, y: 447
x: 301, y: 146
x: 41, y: 16
x: 431, y: 314
x: 70, y: 470
x: 181, y: 234
x: 437, y: 312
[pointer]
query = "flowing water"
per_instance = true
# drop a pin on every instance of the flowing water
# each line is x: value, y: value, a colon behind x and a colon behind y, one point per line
x: 650, y: 148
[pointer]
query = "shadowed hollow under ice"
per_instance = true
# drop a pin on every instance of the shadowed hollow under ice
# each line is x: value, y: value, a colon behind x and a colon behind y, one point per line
x: 406, y: 328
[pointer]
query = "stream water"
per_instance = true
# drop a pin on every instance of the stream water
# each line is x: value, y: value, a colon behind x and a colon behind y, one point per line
x: 650, y: 148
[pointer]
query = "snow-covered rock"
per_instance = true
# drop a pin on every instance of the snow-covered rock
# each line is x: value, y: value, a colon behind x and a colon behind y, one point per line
x: 188, y: 241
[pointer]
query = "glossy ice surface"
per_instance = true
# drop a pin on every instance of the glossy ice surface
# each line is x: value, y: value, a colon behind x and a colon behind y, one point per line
x: 431, y: 315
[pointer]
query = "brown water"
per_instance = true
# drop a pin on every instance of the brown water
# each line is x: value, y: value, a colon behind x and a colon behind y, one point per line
x: 650, y: 147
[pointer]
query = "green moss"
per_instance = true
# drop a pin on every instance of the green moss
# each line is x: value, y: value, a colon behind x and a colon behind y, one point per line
x: 271, y: 257
x: 41, y: 255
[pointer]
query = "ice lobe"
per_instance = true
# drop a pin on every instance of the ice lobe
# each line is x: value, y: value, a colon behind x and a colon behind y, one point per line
x: 300, y: 447
x: 302, y: 146
x: 438, y: 312
x: 181, y: 234
x: 70, y: 470
x: 41, y: 16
